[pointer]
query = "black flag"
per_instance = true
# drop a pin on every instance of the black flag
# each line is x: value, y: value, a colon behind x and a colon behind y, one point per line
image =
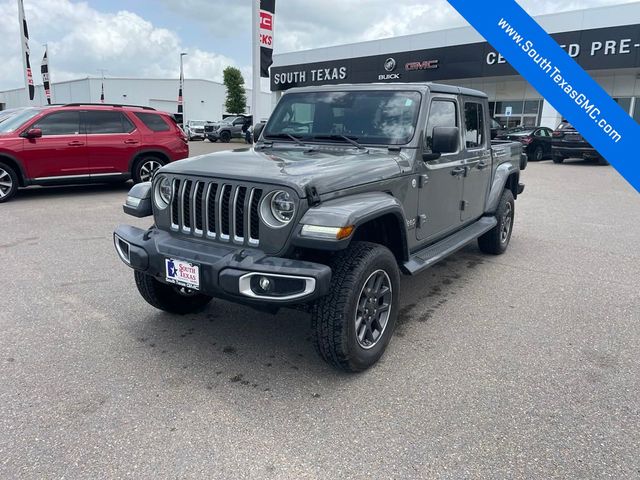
x: 44, y: 69
x: 267, y: 15
x: 25, y: 49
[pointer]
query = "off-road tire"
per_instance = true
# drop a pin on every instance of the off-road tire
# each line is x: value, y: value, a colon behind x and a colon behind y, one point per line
x: 558, y: 159
x: 537, y: 154
x: 225, y: 137
x: 167, y: 297
x: 333, y: 317
x: 138, y: 173
x: 9, y: 176
x: 494, y: 241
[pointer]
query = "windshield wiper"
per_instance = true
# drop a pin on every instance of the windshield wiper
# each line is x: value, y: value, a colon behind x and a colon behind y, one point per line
x: 351, y: 140
x: 287, y: 135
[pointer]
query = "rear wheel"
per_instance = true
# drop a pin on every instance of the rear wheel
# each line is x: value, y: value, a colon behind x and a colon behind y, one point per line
x: 225, y: 137
x: 602, y: 161
x: 496, y: 240
x: 537, y: 154
x: 170, y: 298
x: 145, y: 167
x: 353, y: 324
x: 8, y: 182
x: 558, y: 159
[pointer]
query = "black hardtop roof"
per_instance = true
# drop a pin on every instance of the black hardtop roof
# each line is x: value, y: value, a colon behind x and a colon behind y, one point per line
x: 432, y: 87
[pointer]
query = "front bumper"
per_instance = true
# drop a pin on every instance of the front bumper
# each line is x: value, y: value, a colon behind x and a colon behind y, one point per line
x: 225, y: 271
x: 212, y: 135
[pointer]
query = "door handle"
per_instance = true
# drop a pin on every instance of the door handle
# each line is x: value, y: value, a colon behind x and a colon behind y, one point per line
x: 482, y: 165
x: 131, y: 142
x: 456, y: 172
x: 75, y: 143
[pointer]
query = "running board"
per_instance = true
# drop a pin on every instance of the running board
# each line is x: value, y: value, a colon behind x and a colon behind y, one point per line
x: 431, y: 255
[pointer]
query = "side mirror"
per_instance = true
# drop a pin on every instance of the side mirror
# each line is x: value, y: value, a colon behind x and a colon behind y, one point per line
x: 33, y: 133
x: 257, y: 131
x: 138, y: 202
x: 446, y: 139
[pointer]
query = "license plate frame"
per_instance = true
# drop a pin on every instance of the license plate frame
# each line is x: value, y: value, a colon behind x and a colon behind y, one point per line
x: 182, y: 273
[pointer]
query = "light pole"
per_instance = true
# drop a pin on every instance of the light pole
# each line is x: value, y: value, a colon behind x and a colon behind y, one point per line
x: 181, y: 88
x: 102, y: 72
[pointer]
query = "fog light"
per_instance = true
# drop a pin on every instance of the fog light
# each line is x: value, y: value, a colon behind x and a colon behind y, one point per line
x: 265, y: 284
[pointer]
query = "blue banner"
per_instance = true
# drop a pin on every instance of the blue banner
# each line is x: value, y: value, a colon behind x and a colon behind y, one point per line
x: 560, y: 80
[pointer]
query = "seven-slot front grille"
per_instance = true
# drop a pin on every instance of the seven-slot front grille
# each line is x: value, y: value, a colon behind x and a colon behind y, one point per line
x: 216, y: 210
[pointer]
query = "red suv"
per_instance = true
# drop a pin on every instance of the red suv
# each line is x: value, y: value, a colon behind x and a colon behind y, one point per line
x: 84, y: 143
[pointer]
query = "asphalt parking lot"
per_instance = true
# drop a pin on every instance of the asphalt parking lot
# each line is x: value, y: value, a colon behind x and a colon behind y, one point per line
x: 518, y: 366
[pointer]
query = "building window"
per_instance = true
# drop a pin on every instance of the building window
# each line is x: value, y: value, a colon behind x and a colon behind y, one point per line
x: 523, y: 112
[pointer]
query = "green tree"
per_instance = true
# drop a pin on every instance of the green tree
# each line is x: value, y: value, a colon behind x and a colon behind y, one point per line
x: 236, y: 102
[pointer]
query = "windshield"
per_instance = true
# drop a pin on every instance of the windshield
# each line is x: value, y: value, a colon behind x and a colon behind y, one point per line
x: 371, y: 117
x: 13, y: 122
x: 230, y: 119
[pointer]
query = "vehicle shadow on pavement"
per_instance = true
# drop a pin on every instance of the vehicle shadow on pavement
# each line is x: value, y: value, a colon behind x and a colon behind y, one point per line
x: 233, y: 345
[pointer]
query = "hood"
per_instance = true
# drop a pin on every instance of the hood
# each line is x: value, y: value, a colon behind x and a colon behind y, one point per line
x: 327, y: 170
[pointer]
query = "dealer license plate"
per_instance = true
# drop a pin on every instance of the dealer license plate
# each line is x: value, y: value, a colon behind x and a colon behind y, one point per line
x: 182, y: 273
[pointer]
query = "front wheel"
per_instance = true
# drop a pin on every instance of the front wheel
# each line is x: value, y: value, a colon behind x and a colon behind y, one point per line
x: 353, y: 324
x: 170, y: 298
x: 225, y: 137
x: 496, y: 240
x: 558, y: 159
x: 8, y: 182
x: 145, y: 167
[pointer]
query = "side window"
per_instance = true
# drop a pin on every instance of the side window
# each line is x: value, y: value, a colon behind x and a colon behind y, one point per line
x: 60, y: 123
x: 101, y: 122
x: 153, y: 121
x: 474, y: 125
x: 443, y: 113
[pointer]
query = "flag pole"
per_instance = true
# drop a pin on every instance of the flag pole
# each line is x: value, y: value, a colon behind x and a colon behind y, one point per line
x: 255, y: 51
x: 102, y: 70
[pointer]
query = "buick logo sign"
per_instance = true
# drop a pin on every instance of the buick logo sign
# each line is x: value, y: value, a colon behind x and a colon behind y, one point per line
x: 390, y: 64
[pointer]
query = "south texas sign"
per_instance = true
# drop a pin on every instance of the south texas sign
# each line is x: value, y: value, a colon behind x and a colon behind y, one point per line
x: 597, y: 49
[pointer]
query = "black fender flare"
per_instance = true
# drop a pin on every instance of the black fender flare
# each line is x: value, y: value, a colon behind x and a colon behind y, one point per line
x: 351, y: 210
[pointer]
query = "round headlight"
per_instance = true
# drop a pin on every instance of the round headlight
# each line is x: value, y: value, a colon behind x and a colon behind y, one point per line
x: 163, y: 192
x: 282, y: 207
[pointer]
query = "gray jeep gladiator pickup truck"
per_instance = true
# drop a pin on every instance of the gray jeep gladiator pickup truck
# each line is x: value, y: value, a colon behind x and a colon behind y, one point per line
x: 346, y: 187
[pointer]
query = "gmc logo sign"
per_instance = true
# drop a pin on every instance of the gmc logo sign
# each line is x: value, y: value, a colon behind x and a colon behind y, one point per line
x: 425, y: 65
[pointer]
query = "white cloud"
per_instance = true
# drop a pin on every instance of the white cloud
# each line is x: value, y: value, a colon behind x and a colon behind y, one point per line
x: 82, y: 40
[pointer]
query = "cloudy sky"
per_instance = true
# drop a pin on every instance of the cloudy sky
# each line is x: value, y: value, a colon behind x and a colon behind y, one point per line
x: 143, y: 38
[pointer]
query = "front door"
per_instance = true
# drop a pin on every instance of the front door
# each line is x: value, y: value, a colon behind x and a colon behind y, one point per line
x: 61, y: 151
x: 441, y: 180
x: 477, y: 160
x: 112, y: 140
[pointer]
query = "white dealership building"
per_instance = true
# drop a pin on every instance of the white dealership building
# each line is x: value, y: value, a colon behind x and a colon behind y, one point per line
x: 203, y: 99
x: 605, y: 41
